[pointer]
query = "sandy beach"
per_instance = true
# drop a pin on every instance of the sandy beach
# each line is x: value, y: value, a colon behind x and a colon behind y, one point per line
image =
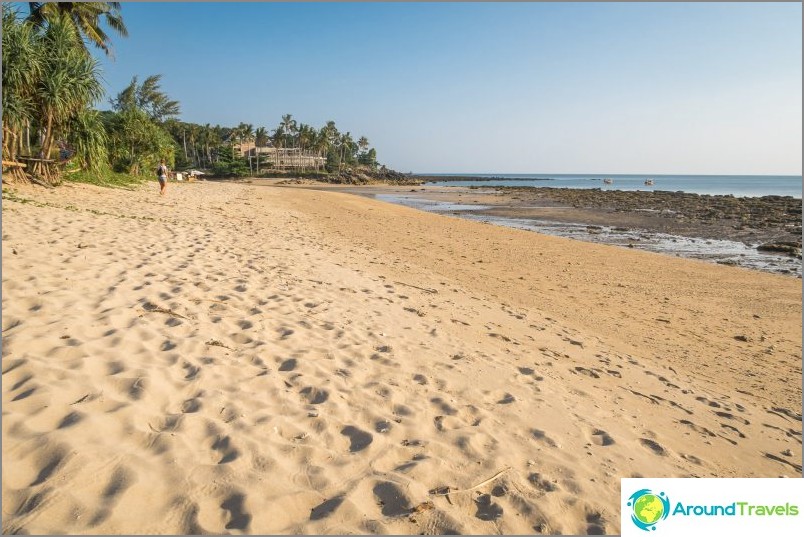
x: 258, y: 358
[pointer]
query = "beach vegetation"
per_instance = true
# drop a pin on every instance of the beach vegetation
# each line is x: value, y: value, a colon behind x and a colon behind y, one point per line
x: 137, y: 143
x: 84, y: 19
x: 51, y: 86
x: 228, y: 164
x: 147, y: 97
x: 138, y: 138
x: 106, y: 178
x: 50, y: 81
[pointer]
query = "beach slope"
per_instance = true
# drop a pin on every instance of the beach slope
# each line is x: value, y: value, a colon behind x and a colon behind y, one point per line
x: 250, y: 358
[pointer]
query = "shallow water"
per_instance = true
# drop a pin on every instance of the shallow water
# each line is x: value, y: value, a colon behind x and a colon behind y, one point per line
x: 716, y: 251
x: 736, y: 185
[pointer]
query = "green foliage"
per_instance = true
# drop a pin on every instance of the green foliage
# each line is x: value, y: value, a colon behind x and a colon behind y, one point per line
x: 48, y: 79
x: 137, y: 144
x: 22, y: 67
x: 368, y: 158
x: 333, y: 160
x: 84, y: 19
x: 87, y: 136
x: 147, y: 97
x: 229, y: 164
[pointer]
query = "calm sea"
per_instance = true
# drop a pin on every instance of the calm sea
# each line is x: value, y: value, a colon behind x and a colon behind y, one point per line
x: 736, y: 185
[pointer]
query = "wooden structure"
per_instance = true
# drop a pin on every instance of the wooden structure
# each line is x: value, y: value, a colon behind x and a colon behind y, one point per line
x: 41, y: 171
x: 14, y: 172
x: 46, y: 170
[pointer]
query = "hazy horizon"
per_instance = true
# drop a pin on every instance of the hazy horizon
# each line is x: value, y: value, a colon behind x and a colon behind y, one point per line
x: 613, y: 174
x: 676, y: 88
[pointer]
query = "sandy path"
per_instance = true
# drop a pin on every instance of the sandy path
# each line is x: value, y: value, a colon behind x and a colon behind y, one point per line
x: 251, y: 359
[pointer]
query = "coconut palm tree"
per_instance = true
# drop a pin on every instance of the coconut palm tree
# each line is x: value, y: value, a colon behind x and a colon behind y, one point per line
x: 260, y: 140
x: 246, y: 131
x: 306, y: 139
x: 148, y: 97
x: 322, y: 144
x: 84, y: 19
x: 347, y: 147
x: 278, y: 139
x: 289, y: 127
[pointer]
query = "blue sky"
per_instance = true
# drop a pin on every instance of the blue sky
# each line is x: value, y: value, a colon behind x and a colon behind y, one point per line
x: 493, y: 87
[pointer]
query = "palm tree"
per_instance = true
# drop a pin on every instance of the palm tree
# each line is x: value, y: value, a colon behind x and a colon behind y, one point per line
x: 69, y: 83
x: 217, y: 138
x: 278, y: 139
x: 234, y: 135
x: 194, y: 136
x: 246, y: 131
x: 84, y: 19
x: 306, y: 139
x: 289, y: 127
x: 347, y: 145
x: 22, y: 68
x: 148, y: 97
x: 322, y: 144
x: 260, y: 140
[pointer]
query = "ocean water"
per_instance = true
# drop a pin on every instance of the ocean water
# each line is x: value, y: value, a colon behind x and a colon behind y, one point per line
x: 736, y: 185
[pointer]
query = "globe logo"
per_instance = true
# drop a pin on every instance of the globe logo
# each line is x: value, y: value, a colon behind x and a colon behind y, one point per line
x: 648, y: 508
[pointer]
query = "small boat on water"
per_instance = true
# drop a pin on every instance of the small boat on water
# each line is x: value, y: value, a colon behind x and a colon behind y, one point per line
x: 648, y: 181
x: 607, y: 181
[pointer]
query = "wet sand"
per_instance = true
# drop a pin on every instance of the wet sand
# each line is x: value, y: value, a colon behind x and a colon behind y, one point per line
x: 730, y: 231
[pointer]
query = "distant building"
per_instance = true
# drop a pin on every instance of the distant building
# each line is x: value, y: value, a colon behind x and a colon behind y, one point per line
x: 283, y: 157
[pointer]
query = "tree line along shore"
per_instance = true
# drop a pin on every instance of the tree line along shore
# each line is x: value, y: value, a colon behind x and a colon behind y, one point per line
x: 54, y: 131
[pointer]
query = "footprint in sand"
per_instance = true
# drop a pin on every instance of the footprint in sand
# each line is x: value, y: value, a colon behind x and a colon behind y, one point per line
x: 655, y: 447
x: 391, y: 499
x: 587, y: 372
x: 444, y: 406
x: 359, y: 439
x: 69, y: 420
x: 191, y: 406
x: 730, y: 416
x: 288, y: 365
x: 542, y: 483
x: 507, y: 399
x: 52, y: 460
x: 595, y: 524
x: 542, y: 437
x: 601, y: 438
x: 326, y: 508
x: 486, y: 509
x: 239, y: 518
x: 313, y: 395
x: 167, y: 345
x: 224, y: 447
x: 382, y: 426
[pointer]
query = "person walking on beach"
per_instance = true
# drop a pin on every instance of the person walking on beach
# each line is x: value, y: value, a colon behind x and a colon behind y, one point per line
x: 162, y: 173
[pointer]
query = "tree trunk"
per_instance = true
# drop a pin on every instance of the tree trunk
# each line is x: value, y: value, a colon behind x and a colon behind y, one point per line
x: 44, y: 151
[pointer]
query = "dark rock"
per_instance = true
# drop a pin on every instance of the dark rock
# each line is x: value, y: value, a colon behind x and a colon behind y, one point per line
x: 789, y: 248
